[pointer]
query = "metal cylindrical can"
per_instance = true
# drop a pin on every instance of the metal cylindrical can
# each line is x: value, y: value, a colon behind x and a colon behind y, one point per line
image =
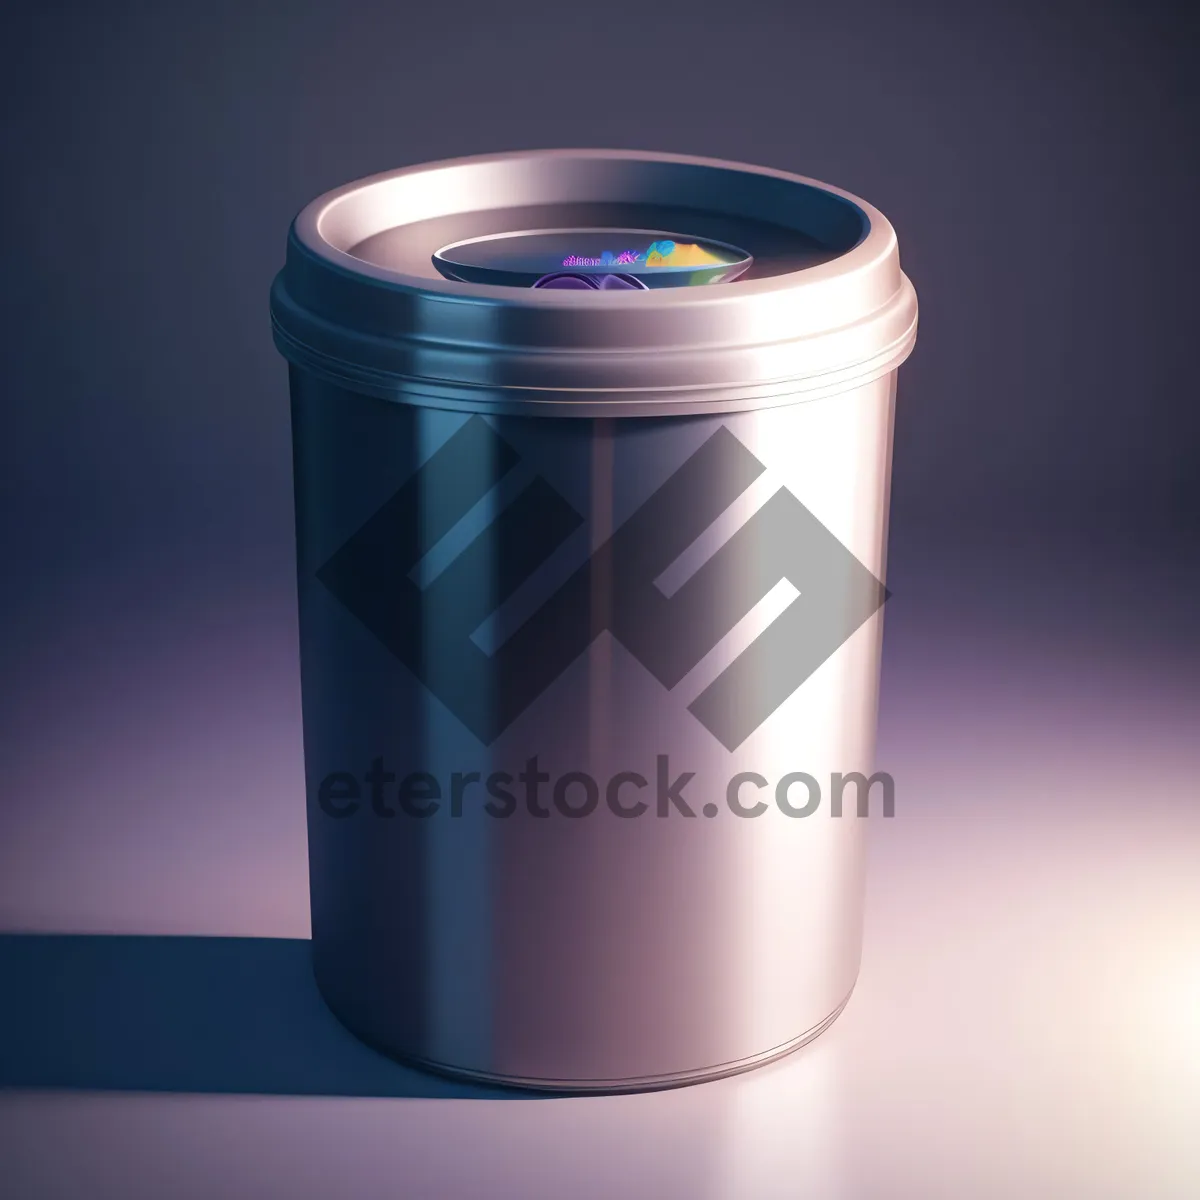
x: 590, y: 605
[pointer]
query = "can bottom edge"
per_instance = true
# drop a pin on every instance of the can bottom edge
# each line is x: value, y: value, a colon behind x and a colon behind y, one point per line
x: 595, y: 1087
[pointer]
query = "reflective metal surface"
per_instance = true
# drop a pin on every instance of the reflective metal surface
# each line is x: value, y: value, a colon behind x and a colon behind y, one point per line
x: 590, y: 594
x: 602, y: 951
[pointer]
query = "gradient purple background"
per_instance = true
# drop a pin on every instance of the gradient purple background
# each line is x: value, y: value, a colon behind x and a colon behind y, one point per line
x: 1028, y: 1018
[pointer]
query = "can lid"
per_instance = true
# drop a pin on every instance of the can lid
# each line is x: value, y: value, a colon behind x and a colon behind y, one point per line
x: 422, y: 284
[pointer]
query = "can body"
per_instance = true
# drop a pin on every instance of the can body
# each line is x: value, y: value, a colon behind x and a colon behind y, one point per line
x: 572, y: 785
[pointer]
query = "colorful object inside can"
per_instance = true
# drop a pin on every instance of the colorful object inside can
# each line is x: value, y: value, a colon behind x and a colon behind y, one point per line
x: 652, y: 259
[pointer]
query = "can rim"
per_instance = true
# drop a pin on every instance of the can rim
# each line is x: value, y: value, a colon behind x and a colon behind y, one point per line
x: 790, y: 333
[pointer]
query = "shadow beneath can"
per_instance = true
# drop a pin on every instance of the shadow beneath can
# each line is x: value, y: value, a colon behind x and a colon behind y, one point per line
x: 187, y: 1014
